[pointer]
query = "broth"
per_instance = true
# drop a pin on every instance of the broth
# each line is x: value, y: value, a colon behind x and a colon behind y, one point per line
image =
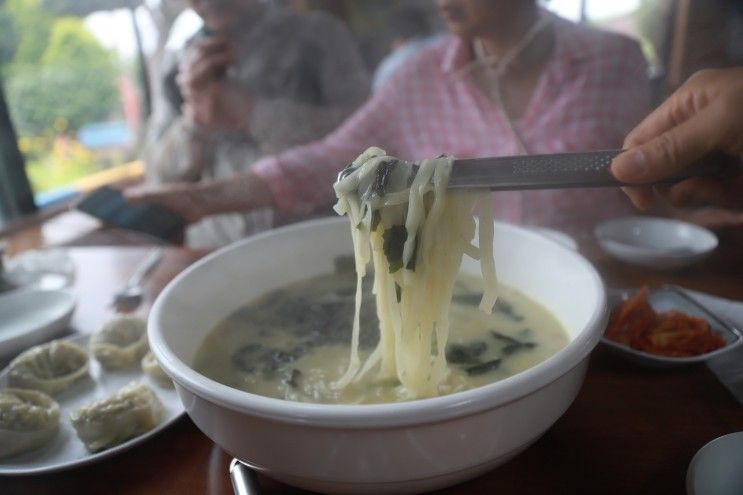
x: 293, y: 343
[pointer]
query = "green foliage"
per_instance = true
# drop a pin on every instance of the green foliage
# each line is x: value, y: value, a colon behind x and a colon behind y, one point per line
x: 57, y: 77
x: 649, y: 20
x: 81, y: 8
x: 645, y: 19
x: 32, y: 26
x: 58, y: 97
x: 73, y: 83
x: 71, y: 43
x: 61, y: 162
x: 9, y: 39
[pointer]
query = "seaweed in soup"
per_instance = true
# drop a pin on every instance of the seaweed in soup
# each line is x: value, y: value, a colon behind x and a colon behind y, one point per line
x: 471, y: 356
x: 482, y: 368
x: 246, y: 358
x: 393, y: 243
x: 311, y: 319
x: 520, y: 346
x: 503, y: 338
x: 292, y: 378
x: 288, y: 343
x: 255, y: 358
x: 465, y: 353
x: 512, y: 345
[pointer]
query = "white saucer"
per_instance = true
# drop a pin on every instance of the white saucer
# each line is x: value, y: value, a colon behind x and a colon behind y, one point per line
x: 717, y: 468
x: 32, y: 316
x: 658, y: 243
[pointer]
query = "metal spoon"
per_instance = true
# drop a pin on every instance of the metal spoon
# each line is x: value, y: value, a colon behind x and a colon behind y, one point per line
x: 560, y: 170
x: 244, y: 481
x: 130, y: 295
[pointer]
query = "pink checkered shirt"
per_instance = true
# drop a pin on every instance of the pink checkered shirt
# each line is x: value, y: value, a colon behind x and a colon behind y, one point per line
x: 590, y: 94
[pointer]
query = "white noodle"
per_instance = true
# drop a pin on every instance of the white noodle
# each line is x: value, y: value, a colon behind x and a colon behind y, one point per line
x: 487, y: 264
x: 412, y: 302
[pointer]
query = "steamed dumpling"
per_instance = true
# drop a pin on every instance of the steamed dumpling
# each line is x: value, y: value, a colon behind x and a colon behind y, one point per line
x: 121, y: 342
x: 49, y: 367
x: 28, y: 420
x: 153, y: 369
x: 128, y: 413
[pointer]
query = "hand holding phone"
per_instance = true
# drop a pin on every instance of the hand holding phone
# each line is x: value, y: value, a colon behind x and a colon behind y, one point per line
x: 109, y: 205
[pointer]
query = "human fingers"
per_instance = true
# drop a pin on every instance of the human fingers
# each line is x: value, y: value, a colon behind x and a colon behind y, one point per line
x: 178, y: 198
x: 700, y: 191
x: 201, y: 70
x: 722, y: 88
x: 194, y: 83
x: 207, y: 46
x: 148, y: 194
x: 689, y: 99
x: 671, y: 151
x: 139, y: 194
x: 204, y: 49
x: 641, y: 197
x: 711, y: 217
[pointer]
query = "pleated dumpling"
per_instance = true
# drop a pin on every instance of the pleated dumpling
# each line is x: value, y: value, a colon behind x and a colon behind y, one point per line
x: 128, y: 413
x: 120, y: 343
x: 153, y: 369
x: 49, y: 367
x: 28, y: 420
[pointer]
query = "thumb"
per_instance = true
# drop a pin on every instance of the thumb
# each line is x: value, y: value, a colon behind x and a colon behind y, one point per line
x: 141, y: 193
x: 667, y: 153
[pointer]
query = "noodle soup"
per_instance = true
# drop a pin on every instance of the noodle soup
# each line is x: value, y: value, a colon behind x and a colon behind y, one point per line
x: 293, y: 343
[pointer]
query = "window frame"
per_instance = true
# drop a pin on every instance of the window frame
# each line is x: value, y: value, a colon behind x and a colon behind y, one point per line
x: 16, y: 195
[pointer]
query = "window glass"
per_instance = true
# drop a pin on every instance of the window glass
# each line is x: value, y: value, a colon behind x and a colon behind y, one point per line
x: 74, y: 72
x: 639, y: 19
x: 73, y: 90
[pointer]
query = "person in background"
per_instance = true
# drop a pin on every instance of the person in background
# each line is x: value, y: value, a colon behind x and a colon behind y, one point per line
x: 510, y: 79
x: 705, y: 114
x: 410, y: 31
x: 257, y: 79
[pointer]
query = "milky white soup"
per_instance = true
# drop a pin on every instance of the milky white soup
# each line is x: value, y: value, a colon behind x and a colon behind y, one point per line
x: 293, y: 343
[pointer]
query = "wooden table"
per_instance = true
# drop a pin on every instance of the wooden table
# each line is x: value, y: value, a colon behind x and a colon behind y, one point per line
x: 630, y: 430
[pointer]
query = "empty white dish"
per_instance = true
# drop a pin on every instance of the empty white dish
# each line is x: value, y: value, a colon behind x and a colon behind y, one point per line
x: 717, y: 468
x: 652, y: 242
x: 32, y: 316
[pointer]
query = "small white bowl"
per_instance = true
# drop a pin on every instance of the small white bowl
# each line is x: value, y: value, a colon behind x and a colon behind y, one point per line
x: 717, y: 468
x: 32, y: 316
x: 669, y: 298
x: 652, y: 242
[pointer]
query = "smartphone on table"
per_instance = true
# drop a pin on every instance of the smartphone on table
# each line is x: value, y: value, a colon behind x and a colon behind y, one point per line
x: 109, y: 205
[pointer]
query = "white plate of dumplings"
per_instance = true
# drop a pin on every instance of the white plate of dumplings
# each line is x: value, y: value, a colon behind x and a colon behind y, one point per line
x: 65, y: 449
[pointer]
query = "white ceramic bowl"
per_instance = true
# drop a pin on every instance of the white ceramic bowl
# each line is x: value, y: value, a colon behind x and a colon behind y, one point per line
x: 717, y: 468
x: 658, y: 243
x: 386, y: 448
x: 557, y: 236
